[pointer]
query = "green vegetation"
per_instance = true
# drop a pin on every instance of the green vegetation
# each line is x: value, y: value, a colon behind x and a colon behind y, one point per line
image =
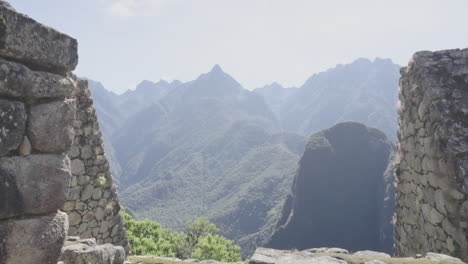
x: 149, y: 238
x: 216, y: 247
x: 200, y: 241
x: 101, y: 180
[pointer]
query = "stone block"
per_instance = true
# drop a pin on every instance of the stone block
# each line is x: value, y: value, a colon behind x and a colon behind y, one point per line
x: 86, y: 152
x: 17, y: 80
x: 38, y: 239
x: 87, y: 192
x: 35, y: 184
x: 25, y: 40
x: 82, y: 253
x: 25, y: 147
x: 74, y: 218
x: 50, y: 126
x: 12, y: 125
x: 77, y: 168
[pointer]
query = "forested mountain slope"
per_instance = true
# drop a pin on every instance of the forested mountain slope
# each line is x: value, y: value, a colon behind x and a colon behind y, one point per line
x: 211, y: 148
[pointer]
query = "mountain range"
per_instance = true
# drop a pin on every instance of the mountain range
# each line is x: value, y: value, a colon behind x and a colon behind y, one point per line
x: 209, y: 147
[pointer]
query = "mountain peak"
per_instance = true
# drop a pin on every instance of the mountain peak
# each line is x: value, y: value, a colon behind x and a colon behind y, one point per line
x: 362, y: 61
x: 276, y: 85
x: 162, y: 82
x: 216, y: 69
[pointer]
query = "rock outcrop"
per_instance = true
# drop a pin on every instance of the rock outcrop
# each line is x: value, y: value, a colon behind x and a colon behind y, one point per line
x: 339, y: 192
x: 36, y: 128
x: 432, y: 172
x: 78, y: 251
x: 92, y: 204
x: 341, y: 256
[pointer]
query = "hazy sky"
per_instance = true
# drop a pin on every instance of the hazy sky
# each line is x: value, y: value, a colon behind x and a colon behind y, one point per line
x: 122, y: 42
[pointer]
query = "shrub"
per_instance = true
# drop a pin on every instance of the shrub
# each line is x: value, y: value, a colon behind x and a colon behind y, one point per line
x: 216, y: 247
x: 149, y: 238
x: 201, y: 240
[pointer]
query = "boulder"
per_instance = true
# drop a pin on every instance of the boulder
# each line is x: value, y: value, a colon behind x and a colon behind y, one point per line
x: 37, y: 239
x: 50, y: 126
x: 441, y: 257
x: 17, y: 80
x: 38, y: 46
x: 12, y: 125
x: 84, y: 252
x: 36, y: 184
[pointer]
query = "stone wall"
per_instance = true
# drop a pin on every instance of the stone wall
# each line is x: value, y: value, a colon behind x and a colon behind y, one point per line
x: 432, y: 205
x: 36, y: 130
x: 92, y: 204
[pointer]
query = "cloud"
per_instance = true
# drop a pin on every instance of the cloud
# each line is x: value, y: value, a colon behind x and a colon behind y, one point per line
x: 129, y: 8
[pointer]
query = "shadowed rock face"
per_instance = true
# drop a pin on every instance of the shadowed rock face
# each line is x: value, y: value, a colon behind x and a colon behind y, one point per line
x: 338, y: 192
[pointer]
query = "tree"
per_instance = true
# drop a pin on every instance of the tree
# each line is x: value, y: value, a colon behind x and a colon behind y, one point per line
x: 216, y: 247
x: 196, y: 229
x: 201, y: 240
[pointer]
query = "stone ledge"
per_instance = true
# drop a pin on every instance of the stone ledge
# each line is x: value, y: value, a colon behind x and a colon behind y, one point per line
x: 17, y: 80
x: 339, y: 256
x: 35, y: 184
x: 38, y: 46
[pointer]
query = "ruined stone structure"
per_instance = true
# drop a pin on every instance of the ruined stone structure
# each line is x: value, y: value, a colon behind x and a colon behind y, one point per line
x: 39, y: 97
x: 36, y: 129
x: 92, y: 204
x: 432, y: 204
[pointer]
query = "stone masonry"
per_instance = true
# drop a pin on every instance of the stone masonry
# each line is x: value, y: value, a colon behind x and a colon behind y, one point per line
x: 45, y: 114
x: 432, y: 171
x: 36, y: 130
x: 92, y: 204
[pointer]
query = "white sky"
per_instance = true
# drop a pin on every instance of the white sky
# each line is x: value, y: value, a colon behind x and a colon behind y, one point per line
x: 122, y: 42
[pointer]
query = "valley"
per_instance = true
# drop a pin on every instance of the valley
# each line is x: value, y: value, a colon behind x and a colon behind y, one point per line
x: 211, y: 148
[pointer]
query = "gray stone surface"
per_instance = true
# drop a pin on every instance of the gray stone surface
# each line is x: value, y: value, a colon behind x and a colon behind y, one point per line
x: 25, y: 147
x: 92, y: 201
x: 327, y: 250
x: 433, y: 147
x: 274, y: 256
x: 441, y: 257
x: 50, y: 126
x: 35, y: 184
x: 33, y: 240
x: 12, y: 125
x: 34, y: 44
x: 375, y: 261
x: 83, y: 251
x: 17, y: 80
x: 374, y: 254
x: 340, y: 256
